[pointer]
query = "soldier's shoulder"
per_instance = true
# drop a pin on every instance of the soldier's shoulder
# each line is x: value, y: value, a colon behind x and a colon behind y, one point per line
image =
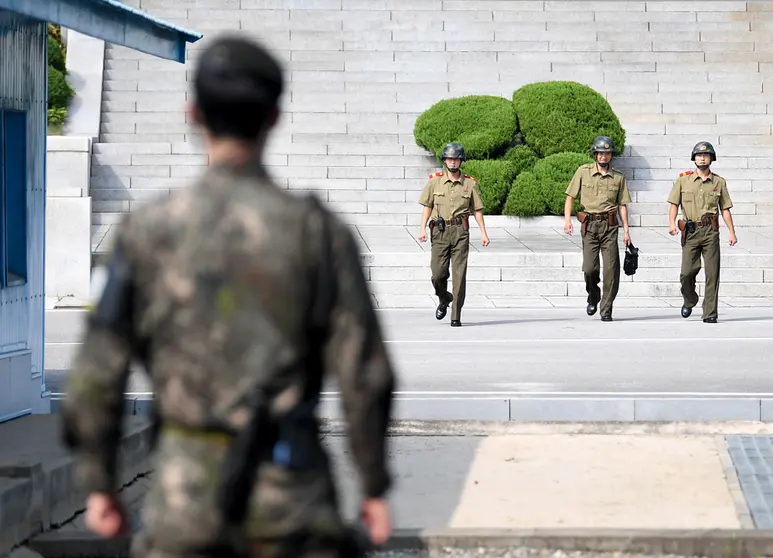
x: 617, y: 171
x: 471, y: 177
x: 721, y: 178
x: 686, y: 173
x: 436, y: 175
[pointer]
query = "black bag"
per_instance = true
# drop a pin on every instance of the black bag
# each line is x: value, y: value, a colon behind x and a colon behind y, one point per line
x: 631, y: 263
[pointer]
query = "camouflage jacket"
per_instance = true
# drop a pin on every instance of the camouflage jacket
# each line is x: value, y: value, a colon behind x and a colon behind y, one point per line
x: 222, y: 277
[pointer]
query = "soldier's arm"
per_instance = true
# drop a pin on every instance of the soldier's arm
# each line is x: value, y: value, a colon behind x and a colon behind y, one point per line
x: 725, y: 203
x: 426, y: 199
x: 93, y: 409
x: 674, y: 199
x: 355, y: 351
x: 572, y: 192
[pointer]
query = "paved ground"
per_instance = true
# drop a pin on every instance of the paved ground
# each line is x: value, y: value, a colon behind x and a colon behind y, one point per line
x: 561, y: 350
x: 514, y: 239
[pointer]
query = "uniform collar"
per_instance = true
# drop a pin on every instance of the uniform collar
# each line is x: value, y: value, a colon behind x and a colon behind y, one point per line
x: 447, y: 178
x: 595, y: 170
x: 696, y: 176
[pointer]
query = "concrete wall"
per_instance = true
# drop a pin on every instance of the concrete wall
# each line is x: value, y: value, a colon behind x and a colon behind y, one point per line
x: 23, y: 78
x: 361, y: 71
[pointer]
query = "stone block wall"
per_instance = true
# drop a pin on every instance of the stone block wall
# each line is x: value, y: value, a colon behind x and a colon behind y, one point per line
x: 360, y: 72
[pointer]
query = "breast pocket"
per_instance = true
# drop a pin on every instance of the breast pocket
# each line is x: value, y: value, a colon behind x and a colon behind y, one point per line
x: 712, y: 200
x: 688, y: 199
x: 612, y: 191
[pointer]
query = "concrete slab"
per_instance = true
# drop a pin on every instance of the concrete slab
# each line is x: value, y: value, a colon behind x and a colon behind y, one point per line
x: 595, y: 482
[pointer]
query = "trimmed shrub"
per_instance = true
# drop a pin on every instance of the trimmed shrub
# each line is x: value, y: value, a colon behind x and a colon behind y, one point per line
x: 483, y: 124
x: 523, y: 157
x: 59, y: 91
x: 55, y: 55
x: 564, y: 116
x: 494, y: 179
x: 541, y: 191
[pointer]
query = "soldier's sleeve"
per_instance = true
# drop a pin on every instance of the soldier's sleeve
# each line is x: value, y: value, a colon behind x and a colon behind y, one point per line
x: 93, y: 409
x: 675, y: 197
x: 477, y: 199
x: 573, y: 189
x: 355, y: 351
x: 724, y: 197
x: 624, y: 196
x: 426, y: 198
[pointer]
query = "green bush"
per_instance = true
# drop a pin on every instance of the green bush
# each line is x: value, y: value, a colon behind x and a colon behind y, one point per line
x: 564, y: 116
x: 494, y: 179
x: 524, y: 152
x: 55, y: 54
x: 541, y: 191
x: 483, y: 124
x: 59, y: 91
x: 523, y: 157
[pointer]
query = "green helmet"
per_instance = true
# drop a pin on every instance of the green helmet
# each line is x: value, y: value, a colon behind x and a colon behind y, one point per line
x: 703, y: 147
x: 453, y: 151
x: 603, y: 144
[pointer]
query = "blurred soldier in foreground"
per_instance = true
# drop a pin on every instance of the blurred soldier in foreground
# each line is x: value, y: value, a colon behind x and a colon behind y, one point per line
x: 237, y: 297
x: 703, y: 195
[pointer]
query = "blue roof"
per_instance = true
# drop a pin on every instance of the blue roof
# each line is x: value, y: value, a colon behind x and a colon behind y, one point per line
x: 111, y: 21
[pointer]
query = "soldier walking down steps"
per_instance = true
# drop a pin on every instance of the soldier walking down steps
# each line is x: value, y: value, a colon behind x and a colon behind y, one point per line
x: 237, y: 298
x: 448, y: 198
x: 702, y: 195
x: 603, y: 191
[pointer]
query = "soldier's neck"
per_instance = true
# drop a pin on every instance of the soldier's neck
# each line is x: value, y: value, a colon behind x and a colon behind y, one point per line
x: 232, y: 151
x: 703, y: 173
x: 455, y: 175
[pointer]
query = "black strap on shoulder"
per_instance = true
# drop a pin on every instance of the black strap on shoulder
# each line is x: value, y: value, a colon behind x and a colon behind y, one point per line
x: 322, y: 297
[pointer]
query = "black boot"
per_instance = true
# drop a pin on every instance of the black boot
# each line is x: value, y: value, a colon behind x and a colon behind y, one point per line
x: 442, y: 308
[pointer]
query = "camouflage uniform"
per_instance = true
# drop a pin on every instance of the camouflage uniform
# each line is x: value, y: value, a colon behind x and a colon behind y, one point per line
x: 221, y: 277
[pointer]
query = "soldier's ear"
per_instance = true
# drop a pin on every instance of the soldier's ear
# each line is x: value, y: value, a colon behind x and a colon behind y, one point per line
x: 194, y: 114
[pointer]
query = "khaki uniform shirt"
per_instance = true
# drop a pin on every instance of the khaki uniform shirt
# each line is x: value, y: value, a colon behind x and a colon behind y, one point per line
x: 698, y: 197
x: 451, y: 198
x: 598, y: 192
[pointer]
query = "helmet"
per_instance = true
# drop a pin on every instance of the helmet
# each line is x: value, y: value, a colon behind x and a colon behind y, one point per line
x: 453, y: 151
x: 603, y: 144
x: 703, y: 147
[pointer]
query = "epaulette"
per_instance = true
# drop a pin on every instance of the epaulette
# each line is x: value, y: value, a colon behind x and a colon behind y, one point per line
x: 436, y: 174
x: 471, y: 177
x: 686, y: 173
x: 715, y: 174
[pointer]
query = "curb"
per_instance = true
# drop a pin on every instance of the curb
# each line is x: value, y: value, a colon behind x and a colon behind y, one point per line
x: 516, y: 408
x: 740, y: 543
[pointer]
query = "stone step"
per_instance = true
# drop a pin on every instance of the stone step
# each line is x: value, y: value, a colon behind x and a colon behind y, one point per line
x: 547, y: 288
x: 572, y: 260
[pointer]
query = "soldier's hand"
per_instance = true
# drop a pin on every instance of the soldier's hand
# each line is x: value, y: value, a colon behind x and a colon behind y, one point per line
x: 484, y: 240
x: 376, y: 517
x: 733, y: 240
x: 568, y: 228
x: 422, y: 235
x: 673, y: 229
x: 626, y: 238
x: 105, y: 515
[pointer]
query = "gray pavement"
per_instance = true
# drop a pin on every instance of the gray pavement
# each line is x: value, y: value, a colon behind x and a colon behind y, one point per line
x: 562, y: 350
x: 560, y: 364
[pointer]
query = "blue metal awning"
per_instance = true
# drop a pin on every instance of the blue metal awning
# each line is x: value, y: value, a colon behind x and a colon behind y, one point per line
x: 112, y: 22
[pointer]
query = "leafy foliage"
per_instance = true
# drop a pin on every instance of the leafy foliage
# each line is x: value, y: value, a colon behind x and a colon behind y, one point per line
x: 560, y: 116
x: 483, y: 124
x: 541, y: 191
x: 494, y: 179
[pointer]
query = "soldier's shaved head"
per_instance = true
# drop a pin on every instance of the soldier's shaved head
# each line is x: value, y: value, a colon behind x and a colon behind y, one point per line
x: 237, y: 85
